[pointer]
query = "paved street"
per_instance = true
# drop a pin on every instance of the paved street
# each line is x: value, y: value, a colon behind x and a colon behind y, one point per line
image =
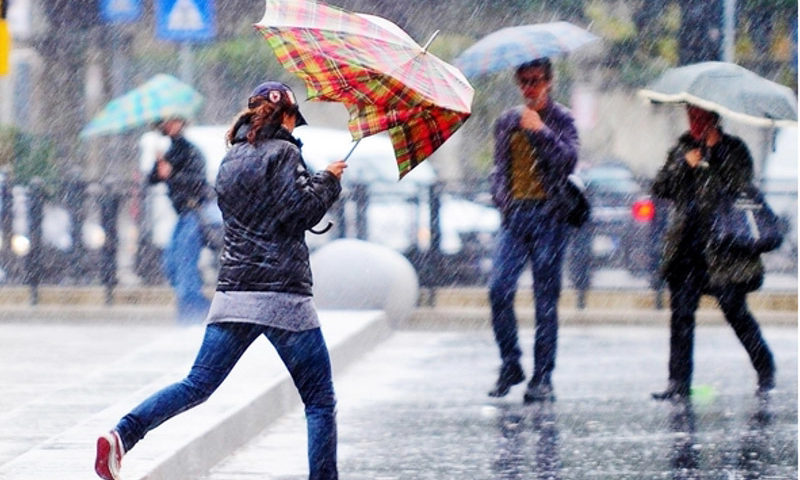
x: 415, y: 408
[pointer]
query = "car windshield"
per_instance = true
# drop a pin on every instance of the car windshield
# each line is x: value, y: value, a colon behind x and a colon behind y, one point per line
x: 611, y: 179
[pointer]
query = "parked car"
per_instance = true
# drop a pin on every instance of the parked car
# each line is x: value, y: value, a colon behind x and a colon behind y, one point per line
x: 620, y: 233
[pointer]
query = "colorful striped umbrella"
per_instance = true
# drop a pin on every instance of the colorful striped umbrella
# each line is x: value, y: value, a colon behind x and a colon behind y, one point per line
x: 385, y: 79
x: 160, y: 97
x: 512, y: 46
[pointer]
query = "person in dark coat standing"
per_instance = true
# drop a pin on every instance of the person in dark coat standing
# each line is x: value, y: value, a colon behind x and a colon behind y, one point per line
x: 536, y: 149
x: 183, y: 168
x: 706, y: 167
x: 268, y: 200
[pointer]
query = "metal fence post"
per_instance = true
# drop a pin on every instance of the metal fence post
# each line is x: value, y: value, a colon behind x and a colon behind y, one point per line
x: 7, y: 224
x: 33, y: 261
x: 431, y: 270
x: 75, y: 198
x: 361, y: 197
x: 109, y: 212
x: 339, y: 219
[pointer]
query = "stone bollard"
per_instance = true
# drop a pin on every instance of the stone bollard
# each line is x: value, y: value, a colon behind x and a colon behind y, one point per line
x: 353, y: 274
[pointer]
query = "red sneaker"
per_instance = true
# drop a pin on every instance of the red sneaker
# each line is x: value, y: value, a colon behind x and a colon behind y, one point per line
x: 109, y: 456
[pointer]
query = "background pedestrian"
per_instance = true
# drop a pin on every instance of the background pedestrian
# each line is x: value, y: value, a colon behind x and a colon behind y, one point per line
x: 183, y: 168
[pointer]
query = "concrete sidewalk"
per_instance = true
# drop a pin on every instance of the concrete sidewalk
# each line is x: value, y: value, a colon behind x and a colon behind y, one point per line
x: 66, y: 383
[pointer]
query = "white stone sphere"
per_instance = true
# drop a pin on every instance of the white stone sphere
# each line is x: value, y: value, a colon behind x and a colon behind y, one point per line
x: 353, y: 274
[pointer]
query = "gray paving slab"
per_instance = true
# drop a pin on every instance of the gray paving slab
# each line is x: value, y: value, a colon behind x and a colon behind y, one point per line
x: 69, y: 383
x: 415, y: 408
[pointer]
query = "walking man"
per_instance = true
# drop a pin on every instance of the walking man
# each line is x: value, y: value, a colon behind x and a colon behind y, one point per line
x: 536, y: 149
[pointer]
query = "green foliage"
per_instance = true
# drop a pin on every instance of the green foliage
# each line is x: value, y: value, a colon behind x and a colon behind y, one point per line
x: 242, y: 61
x: 26, y: 156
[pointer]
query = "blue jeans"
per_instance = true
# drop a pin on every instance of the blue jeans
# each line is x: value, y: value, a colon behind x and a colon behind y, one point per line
x: 529, y: 234
x: 305, y: 356
x: 180, y: 267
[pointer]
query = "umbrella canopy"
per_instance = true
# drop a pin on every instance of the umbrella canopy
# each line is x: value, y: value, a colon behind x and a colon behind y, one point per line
x: 729, y: 90
x: 385, y: 79
x: 512, y: 46
x: 160, y: 97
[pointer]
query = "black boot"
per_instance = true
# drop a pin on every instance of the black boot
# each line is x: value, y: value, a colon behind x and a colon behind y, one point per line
x: 540, y: 392
x: 674, y: 391
x: 766, y: 384
x: 510, y: 375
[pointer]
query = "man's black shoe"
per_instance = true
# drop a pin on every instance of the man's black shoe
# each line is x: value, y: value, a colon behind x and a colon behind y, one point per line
x: 765, y: 387
x: 510, y: 375
x: 542, y: 392
x: 673, y: 392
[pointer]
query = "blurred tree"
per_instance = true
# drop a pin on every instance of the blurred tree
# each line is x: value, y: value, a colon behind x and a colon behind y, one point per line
x: 700, y: 35
x: 27, y: 155
x: 63, y: 47
x: 237, y: 65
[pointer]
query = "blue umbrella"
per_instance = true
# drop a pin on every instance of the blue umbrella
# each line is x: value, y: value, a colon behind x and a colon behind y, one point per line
x: 512, y: 46
x: 729, y: 90
x: 162, y: 96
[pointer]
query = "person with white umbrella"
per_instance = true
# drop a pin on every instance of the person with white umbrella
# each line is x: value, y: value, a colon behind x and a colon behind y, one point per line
x: 705, y: 167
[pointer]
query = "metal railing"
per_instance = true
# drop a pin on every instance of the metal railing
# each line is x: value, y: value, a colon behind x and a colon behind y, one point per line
x: 44, y: 235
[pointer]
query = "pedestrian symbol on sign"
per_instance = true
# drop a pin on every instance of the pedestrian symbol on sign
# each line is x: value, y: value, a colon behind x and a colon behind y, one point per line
x: 185, y: 20
x: 185, y: 16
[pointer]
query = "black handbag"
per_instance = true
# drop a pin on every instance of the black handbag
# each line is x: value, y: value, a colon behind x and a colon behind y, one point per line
x: 576, y: 207
x: 746, y: 224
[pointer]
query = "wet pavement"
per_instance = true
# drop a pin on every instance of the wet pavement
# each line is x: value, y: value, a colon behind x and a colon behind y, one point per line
x: 415, y: 408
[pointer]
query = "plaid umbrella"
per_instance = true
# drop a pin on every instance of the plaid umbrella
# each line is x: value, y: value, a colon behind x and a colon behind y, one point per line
x: 385, y: 79
x: 728, y: 89
x: 160, y: 97
x: 512, y: 46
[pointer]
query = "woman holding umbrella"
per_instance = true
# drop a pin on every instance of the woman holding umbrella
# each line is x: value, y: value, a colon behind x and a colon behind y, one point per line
x: 268, y: 200
x: 704, y: 168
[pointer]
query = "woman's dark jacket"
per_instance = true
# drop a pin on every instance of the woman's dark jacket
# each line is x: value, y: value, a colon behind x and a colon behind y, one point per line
x: 268, y: 200
x: 695, y: 193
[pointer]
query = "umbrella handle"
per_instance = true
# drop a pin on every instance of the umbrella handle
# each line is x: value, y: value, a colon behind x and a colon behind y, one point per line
x: 322, y: 230
x: 351, y: 150
x: 330, y: 224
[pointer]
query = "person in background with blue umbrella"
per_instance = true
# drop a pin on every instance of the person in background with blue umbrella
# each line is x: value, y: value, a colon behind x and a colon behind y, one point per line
x: 183, y: 168
x: 535, y: 151
x: 705, y: 167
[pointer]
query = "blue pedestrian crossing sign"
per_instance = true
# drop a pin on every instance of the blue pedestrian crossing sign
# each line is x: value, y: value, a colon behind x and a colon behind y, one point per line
x: 120, y: 11
x: 185, y: 20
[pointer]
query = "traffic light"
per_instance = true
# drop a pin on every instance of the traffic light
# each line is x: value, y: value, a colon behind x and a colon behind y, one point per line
x: 5, y: 40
